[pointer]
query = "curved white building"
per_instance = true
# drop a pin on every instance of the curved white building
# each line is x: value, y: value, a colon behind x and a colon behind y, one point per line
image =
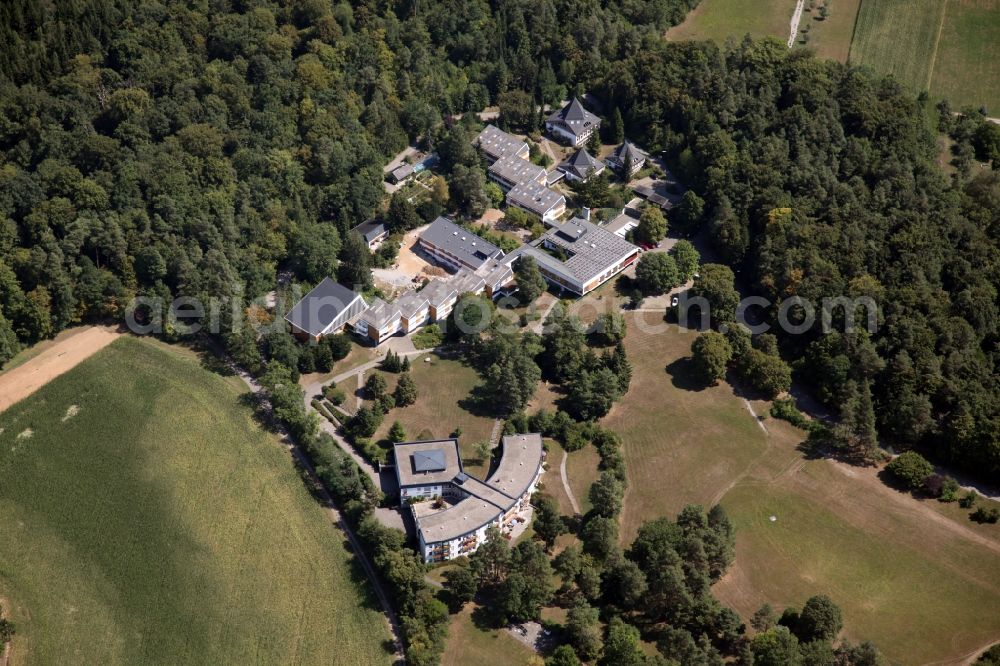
x: 452, y: 510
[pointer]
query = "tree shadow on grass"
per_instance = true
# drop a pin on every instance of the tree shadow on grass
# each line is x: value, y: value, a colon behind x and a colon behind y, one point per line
x: 260, y: 412
x: 683, y: 376
x: 210, y: 354
x: 485, y: 615
x: 624, y: 286
x: 480, y: 402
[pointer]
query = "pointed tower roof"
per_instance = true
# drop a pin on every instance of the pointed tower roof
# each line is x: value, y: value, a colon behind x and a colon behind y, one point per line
x: 574, y: 118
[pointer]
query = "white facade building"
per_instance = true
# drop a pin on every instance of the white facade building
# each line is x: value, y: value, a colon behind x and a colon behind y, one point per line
x: 453, y: 510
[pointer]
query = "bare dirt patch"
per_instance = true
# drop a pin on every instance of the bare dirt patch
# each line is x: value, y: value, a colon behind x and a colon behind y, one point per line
x: 20, y: 382
x: 71, y: 411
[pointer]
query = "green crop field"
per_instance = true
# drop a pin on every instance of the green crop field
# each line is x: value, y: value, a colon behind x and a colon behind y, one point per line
x: 898, y: 37
x: 148, y: 519
x: 967, y: 67
x: 916, y: 577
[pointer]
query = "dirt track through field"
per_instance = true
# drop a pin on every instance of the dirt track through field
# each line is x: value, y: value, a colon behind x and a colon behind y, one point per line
x: 793, y: 31
x: 20, y: 382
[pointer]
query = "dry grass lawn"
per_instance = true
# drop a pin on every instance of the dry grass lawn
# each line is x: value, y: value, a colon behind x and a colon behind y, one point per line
x: 831, y: 37
x: 468, y: 644
x: 582, y: 471
x: 916, y: 577
x: 719, y: 20
x: 444, y: 389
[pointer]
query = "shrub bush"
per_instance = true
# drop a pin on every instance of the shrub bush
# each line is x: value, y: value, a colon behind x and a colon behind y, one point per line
x: 911, y: 469
x: 984, y: 515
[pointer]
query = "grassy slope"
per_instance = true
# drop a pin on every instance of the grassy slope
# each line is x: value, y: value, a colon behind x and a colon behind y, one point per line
x: 917, y: 578
x: 897, y: 37
x: 681, y: 446
x: 967, y: 67
x: 162, y: 525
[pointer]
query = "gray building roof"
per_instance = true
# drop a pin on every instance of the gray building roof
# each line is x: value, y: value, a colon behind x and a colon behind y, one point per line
x: 413, y: 459
x: 534, y: 197
x: 438, y: 292
x: 580, y: 164
x: 458, y: 520
x: 428, y: 461
x: 591, y: 250
x: 496, y: 143
x: 516, y: 170
x: 411, y: 303
x: 574, y: 118
x: 626, y: 154
x: 380, y: 314
x: 328, y: 306
x: 370, y: 230
x: 522, y: 456
x: 520, y: 462
x: 402, y: 172
x: 469, y: 248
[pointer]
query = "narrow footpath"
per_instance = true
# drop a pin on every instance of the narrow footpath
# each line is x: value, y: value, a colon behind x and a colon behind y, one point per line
x: 392, y: 619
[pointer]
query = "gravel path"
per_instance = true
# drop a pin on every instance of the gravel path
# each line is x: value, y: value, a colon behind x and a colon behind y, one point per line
x: 565, y: 482
x: 794, y: 27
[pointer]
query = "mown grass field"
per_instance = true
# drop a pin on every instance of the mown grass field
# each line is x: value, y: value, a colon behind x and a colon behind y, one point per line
x: 967, y: 67
x: 581, y: 471
x: 719, y: 20
x: 898, y: 37
x: 914, y: 576
x: 147, y: 519
x: 469, y: 644
x: 830, y: 37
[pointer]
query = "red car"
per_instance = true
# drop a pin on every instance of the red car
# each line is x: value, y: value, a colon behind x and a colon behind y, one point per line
x: 648, y: 246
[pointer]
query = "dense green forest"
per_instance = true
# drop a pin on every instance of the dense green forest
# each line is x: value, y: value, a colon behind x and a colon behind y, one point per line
x: 171, y: 147
x: 200, y: 147
x: 819, y: 180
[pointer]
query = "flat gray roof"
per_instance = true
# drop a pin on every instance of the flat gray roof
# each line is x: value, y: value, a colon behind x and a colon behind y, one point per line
x: 462, y: 518
x: 522, y: 456
x: 496, y: 143
x: 534, y: 197
x: 327, y: 303
x: 521, y: 460
x: 408, y: 452
x: 517, y: 170
x: 437, y: 292
x: 380, y: 313
x: 411, y: 303
x: 591, y: 250
x: 468, y: 247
